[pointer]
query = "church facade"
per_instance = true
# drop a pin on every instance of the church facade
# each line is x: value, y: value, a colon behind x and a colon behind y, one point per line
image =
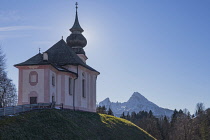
x: 60, y: 75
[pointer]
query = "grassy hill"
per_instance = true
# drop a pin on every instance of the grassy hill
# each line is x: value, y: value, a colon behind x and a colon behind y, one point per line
x: 71, y: 125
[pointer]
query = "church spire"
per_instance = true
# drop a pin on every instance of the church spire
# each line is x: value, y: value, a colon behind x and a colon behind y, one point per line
x: 76, y: 26
x: 76, y: 40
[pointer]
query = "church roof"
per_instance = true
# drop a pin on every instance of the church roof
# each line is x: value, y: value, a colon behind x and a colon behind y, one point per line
x: 59, y: 55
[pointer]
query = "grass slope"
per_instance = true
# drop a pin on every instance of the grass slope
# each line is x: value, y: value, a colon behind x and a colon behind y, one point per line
x: 66, y: 124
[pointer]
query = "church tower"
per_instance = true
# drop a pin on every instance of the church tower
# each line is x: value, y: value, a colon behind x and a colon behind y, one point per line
x: 76, y: 40
x: 60, y: 75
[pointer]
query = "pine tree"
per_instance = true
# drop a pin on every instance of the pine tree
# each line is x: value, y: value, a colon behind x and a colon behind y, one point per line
x: 128, y: 117
x: 123, y: 115
x: 98, y: 108
x: 101, y: 109
x: 174, y: 117
x: 110, y: 112
x: 150, y: 114
x: 164, y: 128
x: 133, y: 116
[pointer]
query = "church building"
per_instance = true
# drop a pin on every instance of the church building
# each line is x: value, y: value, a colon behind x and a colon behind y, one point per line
x: 60, y: 75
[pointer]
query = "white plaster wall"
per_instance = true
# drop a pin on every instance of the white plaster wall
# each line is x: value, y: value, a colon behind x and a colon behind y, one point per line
x: 88, y: 89
x: 58, y: 93
x: 84, y: 101
x: 52, y: 88
x: 94, y: 93
x: 68, y: 97
x: 89, y: 102
x: 72, y: 68
x: 39, y: 87
x: 91, y: 92
x: 78, y: 89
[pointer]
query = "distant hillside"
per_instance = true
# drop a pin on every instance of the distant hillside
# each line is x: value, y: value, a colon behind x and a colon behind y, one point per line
x: 66, y: 124
x: 136, y: 103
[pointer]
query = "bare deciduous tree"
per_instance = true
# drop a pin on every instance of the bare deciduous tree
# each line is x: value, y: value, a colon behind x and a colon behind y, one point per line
x: 199, y: 109
x: 8, y: 96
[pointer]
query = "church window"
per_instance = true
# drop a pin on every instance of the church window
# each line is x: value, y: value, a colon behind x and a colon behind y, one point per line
x: 53, y: 99
x: 33, y: 78
x: 53, y: 80
x: 70, y: 93
x: 83, y: 88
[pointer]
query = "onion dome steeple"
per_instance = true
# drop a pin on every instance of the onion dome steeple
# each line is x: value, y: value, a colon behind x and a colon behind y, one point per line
x: 76, y: 40
x: 76, y: 26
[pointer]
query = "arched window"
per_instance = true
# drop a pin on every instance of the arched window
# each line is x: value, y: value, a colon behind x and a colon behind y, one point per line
x: 53, y: 80
x: 70, y: 93
x: 83, y: 88
x: 83, y: 85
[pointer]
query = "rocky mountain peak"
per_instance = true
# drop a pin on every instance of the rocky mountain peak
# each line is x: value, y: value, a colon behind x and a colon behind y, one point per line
x: 136, y: 103
x: 106, y: 100
x: 137, y: 97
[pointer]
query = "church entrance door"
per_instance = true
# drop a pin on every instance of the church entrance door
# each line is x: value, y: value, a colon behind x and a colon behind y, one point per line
x: 33, y: 100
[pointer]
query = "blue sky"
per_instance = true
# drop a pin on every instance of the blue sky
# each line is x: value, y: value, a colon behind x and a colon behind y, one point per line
x: 158, y: 48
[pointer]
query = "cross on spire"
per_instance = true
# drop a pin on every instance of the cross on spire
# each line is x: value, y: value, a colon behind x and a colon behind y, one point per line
x: 76, y: 26
x: 76, y: 5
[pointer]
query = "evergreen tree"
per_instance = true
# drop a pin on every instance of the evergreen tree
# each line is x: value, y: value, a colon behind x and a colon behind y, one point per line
x: 181, y: 125
x: 110, y: 112
x: 101, y: 109
x: 128, y: 117
x: 133, y: 117
x: 98, y: 108
x: 123, y: 115
x: 174, y: 116
x: 150, y: 114
x: 165, y: 128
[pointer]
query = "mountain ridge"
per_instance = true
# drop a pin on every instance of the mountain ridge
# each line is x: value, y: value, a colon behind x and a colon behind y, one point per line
x: 137, y: 102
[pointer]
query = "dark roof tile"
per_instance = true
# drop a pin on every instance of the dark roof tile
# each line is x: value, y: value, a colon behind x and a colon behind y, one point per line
x: 59, y: 54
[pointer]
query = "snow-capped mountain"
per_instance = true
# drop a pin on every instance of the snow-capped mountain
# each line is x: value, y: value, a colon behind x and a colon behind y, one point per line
x: 136, y: 103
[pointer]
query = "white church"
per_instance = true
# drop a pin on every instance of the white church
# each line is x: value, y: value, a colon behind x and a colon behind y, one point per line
x: 60, y: 75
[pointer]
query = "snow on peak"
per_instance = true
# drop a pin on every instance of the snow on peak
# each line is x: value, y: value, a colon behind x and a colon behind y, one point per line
x: 136, y: 103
